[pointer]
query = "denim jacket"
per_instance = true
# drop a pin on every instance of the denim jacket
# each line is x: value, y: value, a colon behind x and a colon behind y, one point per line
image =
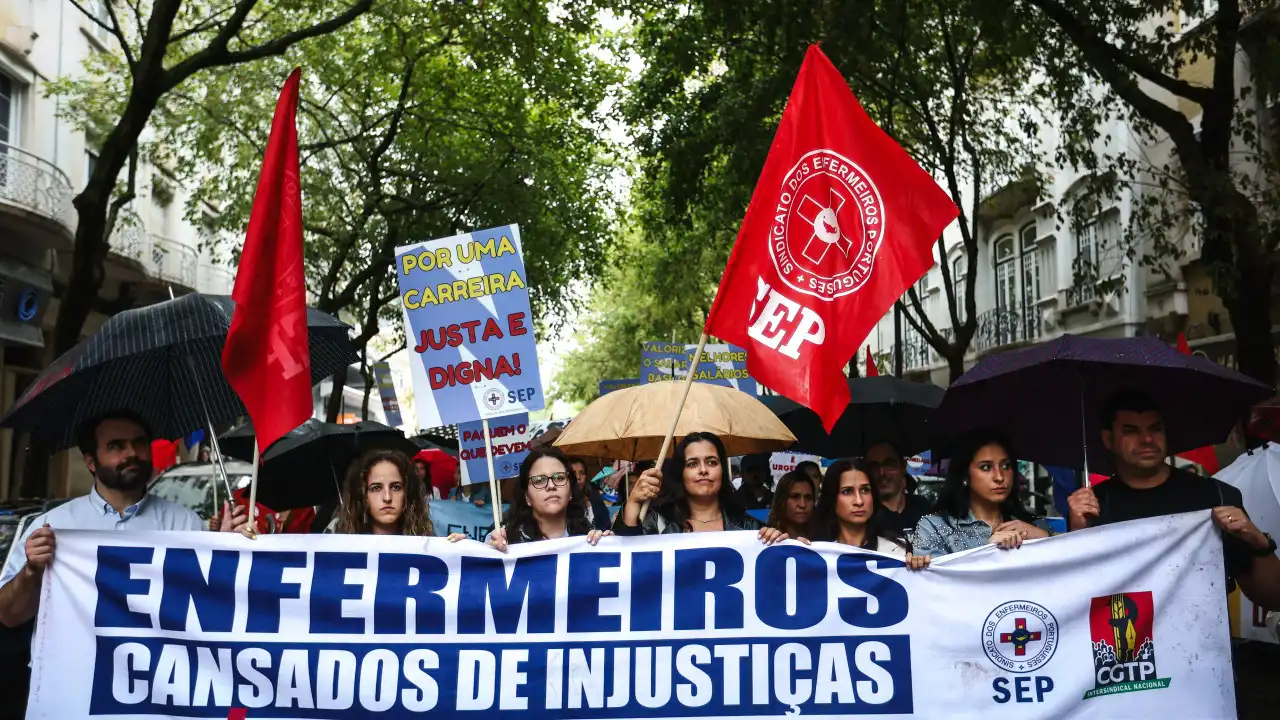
x: 940, y: 534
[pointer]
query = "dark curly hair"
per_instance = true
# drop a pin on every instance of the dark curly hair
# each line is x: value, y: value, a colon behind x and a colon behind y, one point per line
x: 416, y: 518
x: 778, y: 513
x: 825, y: 524
x: 954, y: 497
x: 673, y: 501
x: 520, y: 522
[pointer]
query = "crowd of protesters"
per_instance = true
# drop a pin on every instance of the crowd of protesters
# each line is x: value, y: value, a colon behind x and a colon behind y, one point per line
x: 865, y: 502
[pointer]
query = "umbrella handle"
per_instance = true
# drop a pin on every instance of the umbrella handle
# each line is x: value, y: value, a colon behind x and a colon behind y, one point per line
x: 675, y: 419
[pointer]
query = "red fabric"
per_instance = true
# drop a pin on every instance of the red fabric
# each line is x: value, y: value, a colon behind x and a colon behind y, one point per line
x: 266, y: 359
x: 441, y: 466
x: 260, y: 520
x: 1206, y: 457
x: 841, y: 223
x: 238, y: 714
x: 300, y: 521
x: 872, y: 371
x: 164, y: 454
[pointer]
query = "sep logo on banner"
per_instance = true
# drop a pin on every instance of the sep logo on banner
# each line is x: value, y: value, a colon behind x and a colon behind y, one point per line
x: 712, y: 625
x: 466, y: 315
x: 510, y: 437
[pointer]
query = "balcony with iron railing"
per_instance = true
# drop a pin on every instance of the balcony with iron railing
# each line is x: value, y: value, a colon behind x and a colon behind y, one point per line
x: 173, y: 262
x: 216, y: 280
x: 34, y: 184
x: 1006, y: 326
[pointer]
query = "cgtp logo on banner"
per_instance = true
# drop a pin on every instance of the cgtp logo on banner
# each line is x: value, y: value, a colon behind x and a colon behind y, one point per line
x: 510, y: 437
x: 467, y: 316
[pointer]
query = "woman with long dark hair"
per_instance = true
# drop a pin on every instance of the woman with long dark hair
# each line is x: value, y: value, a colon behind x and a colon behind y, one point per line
x: 979, y: 503
x: 849, y: 512
x: 547, y: 504
x: 384, y: 495
x: 792, y: 510
x: 697, y: 497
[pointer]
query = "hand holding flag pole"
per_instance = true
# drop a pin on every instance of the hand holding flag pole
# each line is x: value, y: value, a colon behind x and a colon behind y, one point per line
x: 675, y: 419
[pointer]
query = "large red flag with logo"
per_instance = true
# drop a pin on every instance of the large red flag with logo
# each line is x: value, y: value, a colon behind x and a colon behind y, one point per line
x: 1206, y: 457
x: 266, y: 359
x: 841, y: 223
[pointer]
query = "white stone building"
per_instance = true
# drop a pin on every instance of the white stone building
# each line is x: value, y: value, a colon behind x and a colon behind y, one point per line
x: 44, y: 162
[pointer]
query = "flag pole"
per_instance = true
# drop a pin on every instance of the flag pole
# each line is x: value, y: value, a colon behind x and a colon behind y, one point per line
x: 253, y: 488
x: 494, y: 488
x: 675, y: 418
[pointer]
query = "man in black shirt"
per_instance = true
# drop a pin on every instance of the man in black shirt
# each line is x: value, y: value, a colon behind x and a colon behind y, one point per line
x: 1145, y: 485
x: 754, y: 492
x: 902, y: 508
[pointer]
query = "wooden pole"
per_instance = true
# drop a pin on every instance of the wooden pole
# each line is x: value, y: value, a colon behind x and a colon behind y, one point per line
x: 253, y: 487
x: 675, y: 419
x: 495, y: 489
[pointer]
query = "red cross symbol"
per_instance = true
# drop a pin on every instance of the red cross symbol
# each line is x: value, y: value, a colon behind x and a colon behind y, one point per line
x: 1019, y: 637
x: 826, y: 226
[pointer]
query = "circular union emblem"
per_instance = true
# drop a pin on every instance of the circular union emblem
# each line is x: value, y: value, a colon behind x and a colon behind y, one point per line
x: 1020, y: 636
x: 493, y: 398
x: 827, y: 226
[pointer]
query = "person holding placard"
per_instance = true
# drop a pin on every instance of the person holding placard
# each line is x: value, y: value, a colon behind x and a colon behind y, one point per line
x: 384, y: 496
x: 701, y: 500
x: 547, y: 504
x: 850, y: 513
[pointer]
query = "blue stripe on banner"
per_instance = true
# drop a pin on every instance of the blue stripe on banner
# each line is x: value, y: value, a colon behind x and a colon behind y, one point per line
x: 743, y: 677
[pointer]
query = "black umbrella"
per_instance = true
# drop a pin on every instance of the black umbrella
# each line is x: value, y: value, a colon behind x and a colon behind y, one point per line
x: 158, y: 361
x: 1047, y: 399
x: 881, y: 409
x: 436, y: 442
x: 306, y: 466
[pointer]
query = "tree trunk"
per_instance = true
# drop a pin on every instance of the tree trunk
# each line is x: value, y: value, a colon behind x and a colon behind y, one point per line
x: 955, y: 365
x: 334, y: 407
x: 1250, y: 311
x: 368, y: 389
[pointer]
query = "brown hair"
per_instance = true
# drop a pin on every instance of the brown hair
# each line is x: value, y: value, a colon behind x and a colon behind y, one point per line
x: 415, y: 520
x: 778, y: 512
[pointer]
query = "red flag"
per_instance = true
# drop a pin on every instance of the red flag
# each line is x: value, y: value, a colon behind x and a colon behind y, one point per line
x: 1206, y: 457
x: 841, y: 223
x: 266, y: 359
x: 872, y: 371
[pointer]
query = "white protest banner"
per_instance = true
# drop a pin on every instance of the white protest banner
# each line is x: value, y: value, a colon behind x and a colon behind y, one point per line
x: 781, y: 463
x: 467, y: 316
x: 706, y: 625
x: 1256, y: 475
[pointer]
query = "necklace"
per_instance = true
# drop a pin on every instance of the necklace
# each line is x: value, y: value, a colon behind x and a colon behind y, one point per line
x: 706, y: 522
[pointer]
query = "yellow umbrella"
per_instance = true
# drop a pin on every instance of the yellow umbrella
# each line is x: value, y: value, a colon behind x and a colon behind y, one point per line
x: 632, y: 424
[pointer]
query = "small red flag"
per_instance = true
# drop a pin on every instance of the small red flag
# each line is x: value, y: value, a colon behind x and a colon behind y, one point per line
x: 841, y: 223
x: 1206, y: 457
x: 266, y: 358
x: 872, y: 370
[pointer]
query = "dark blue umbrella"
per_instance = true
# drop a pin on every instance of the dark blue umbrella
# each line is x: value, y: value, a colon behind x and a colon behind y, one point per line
x: 1046, y: 399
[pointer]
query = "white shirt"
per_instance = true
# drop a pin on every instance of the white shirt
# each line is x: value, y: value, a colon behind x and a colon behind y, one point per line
x: 91, y: 512
x: 891, y: 548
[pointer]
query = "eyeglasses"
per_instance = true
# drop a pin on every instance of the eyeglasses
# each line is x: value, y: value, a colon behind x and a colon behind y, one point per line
x: 539, y: 482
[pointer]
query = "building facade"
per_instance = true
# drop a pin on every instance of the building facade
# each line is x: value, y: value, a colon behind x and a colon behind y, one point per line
x: 1045, y: 268
x: 44, y: 162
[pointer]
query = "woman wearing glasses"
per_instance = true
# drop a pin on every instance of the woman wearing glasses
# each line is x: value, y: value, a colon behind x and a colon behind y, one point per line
x: 546, y: 505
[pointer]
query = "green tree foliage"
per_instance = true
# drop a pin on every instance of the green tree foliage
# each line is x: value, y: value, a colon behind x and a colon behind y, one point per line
x: 161, y: 45
x: 942, y: 79
x: 418, y: 121
x: 1156, y: 66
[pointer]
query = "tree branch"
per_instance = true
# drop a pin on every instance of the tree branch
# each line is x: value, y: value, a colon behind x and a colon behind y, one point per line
x: 113, y: 28
x: 1094, y: 45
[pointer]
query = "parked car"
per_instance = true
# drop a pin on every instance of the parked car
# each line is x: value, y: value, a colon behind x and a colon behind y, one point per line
x: 16, y: 515
x: 199, y: 487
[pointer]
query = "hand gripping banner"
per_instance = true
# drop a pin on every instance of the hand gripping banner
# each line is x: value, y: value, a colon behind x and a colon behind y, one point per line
x: 1127, y: 620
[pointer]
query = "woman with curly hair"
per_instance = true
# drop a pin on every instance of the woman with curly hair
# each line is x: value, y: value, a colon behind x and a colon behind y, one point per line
x: 384, y: 496
x: 547, y: 504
